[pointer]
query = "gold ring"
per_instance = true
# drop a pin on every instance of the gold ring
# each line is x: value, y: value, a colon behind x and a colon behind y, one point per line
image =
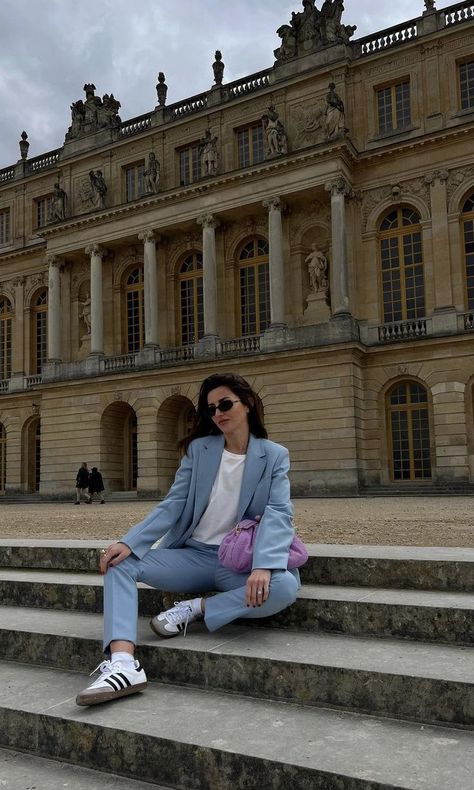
x: 103, y: 551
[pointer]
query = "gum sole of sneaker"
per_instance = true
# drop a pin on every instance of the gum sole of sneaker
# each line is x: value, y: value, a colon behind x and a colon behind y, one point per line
x: 158, y: 633
x: 105, y: 696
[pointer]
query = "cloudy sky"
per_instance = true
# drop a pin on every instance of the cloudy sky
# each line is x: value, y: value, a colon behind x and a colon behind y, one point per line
x: 50, y: 48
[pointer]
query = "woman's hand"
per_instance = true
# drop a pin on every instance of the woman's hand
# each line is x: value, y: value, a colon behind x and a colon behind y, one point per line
x: 113, y: 555
x: 258, y: 587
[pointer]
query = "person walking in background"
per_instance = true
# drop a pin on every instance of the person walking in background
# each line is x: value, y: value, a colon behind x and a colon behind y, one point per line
x: 96, y: 485
x: 82, y: 483
x: 230, y: 471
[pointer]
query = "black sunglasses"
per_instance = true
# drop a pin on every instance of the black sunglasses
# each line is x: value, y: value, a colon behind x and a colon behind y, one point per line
x: 224, y: 405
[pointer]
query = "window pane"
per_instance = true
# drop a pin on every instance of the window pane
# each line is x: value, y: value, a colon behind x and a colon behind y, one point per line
x: 466, y: 85
x: 385, y: 114
x: 5, y: 226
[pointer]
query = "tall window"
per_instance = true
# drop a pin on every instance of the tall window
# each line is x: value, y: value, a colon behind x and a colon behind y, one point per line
x: 5, y: 338
x: 250, y: 145
x: 40, y: 336
x: 189, y: 165
x: 468, y: 228
x: 4, y: 225
x: 393, y: 107
x: 401, y: 256
x: 3, y: 458
x: 134, y: 296
x: 409, y: 431
x: 134, y: 181
x: 42, y: 210
x: 191, y: 295
x: 254, y: 284
x: 37, y: 460
x: 466, y: 85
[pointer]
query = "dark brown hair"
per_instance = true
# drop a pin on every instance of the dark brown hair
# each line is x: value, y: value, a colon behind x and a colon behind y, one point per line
x: 203, y: 424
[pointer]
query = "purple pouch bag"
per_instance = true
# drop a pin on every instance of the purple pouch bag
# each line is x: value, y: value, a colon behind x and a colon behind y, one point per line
x: 236, y: 550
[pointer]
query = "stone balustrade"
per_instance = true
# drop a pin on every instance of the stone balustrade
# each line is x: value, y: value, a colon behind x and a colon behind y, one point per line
x: 390, y: 37
x: 175, y: 356
x: 188, y: 106
x: 455, y: 14
x: 4, y: 385
x: 44, y: 161
x: 253, y: 82
x: 7, y: 174
x: 402, y: 330
x: 240, y: 345
x: 116, y: 364
x: 136, y: 125
x: 33, y: 381
x: 467, y: 322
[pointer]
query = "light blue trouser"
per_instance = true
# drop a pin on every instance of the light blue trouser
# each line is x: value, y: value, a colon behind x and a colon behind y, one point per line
x: 193, y: 568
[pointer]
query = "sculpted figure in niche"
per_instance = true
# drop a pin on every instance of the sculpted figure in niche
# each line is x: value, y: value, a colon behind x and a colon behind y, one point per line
x: 335, y: 116
x: 58, y: 204
x: 275, y: 136
x: 152, y: 174
x: 317, y: 269
x: 86, y: 313
x: 218, y: 68
x: 98, y: 189
x: 209, y: 154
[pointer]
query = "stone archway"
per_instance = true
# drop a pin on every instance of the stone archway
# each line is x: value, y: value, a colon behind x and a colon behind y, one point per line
x: 31, y: 455
x: 173, y: 423
x: 118, y: 447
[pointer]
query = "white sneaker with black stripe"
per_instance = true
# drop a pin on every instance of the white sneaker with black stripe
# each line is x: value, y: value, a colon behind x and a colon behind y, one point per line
x: 175, y: 620
x: 116, y: 680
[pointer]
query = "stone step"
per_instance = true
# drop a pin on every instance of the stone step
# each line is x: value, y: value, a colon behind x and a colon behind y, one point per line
x: 402, y: 567
x: 413, y: 681
x: 206, y: 740
x: 433, y: 616
x: 21, y: 771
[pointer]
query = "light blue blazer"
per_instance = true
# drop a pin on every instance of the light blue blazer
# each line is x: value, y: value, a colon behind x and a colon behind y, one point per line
x: 265, y: 492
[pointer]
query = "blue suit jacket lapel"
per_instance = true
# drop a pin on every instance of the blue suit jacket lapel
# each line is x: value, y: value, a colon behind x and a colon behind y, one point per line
x: 208, y: 466
x: 255, y: 464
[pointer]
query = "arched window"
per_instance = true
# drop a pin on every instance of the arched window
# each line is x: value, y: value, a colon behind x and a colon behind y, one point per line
x: 191, y: 299
x: 134, y: 298
x: 409, y: 432
x: 401, y: 257
x: 5, y: 338
x: 468, y: 228
x: 40, y: 331
x: 3, y: 458
x: 254, y: 281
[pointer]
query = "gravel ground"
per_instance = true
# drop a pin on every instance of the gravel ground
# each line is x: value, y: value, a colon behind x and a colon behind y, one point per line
x: 390, y: 521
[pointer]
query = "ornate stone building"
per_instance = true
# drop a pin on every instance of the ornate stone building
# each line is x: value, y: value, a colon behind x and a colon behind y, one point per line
x: 310, y: 226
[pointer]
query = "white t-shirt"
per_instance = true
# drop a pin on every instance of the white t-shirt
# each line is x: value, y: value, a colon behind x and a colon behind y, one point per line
x: 220, y: 516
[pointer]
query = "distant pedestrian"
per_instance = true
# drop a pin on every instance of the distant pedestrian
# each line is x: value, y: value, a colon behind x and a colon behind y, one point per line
x: 96, y: 485
x: 82, y: 483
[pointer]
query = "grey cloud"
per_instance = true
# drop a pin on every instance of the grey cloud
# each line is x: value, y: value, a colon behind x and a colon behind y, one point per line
x: 50, y: 48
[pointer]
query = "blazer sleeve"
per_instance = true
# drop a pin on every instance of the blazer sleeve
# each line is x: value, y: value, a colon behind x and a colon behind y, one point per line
x: 276, y: 532
x: 165, y: 515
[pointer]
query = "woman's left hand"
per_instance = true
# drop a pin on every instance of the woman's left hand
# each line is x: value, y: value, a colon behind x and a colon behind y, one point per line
x: 258, y: 587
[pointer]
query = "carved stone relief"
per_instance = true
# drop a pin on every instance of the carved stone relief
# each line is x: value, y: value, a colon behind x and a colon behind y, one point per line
x: 397, y: 192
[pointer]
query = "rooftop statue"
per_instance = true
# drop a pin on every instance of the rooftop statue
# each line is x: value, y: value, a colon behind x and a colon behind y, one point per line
x: 311, y: 29
x: 93, y: 114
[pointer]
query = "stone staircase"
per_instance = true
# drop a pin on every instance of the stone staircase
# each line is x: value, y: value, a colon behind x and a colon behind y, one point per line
x: 367, y: 682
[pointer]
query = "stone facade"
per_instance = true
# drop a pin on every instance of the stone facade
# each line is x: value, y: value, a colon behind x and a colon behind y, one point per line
x: 323, y: 151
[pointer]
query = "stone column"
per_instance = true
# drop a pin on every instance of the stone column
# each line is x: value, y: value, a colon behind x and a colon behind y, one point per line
x: 338, y: 274
x: 209, y: 262
x: 18, y: 345
x: 440, y: 234
x: 96, y: 254
x: 54, y: 310
x: 150, y: 287
x: 277, y: 272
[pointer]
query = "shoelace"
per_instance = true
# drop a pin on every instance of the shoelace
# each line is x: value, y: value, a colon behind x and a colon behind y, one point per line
x: 105, y: 667
x: 179, y: 613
